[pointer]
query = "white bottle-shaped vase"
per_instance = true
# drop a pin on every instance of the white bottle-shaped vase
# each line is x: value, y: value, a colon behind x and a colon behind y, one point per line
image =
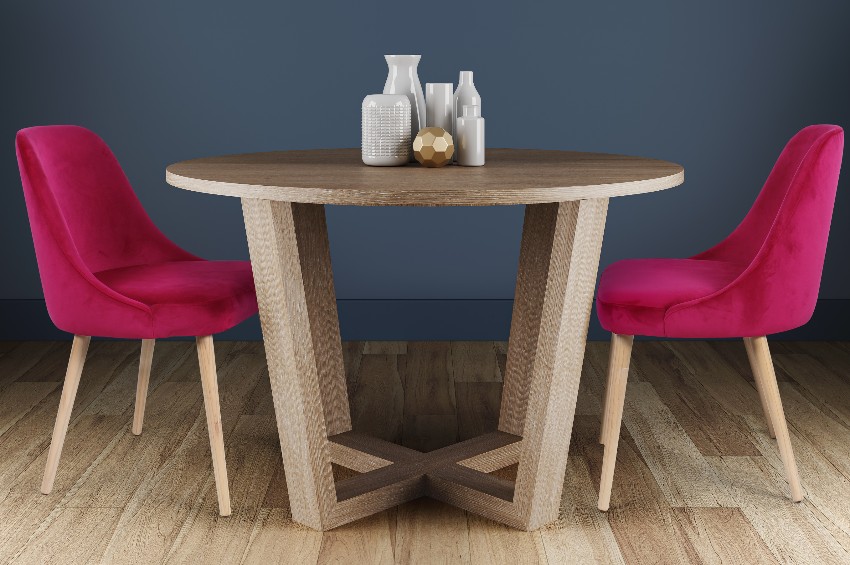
x: 465, y: 95
x: 469, y: 138
x: 403, y: 78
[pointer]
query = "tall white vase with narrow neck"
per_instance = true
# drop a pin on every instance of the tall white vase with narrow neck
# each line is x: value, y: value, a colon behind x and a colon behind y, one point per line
x: 465, y: 95
x: 403, y: 78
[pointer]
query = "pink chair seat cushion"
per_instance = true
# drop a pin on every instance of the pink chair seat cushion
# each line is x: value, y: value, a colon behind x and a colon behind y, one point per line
x: 635, y: 294
x: 187, y: 297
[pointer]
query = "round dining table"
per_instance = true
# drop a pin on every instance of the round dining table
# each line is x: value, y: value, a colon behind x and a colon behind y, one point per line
x: 566, y: 196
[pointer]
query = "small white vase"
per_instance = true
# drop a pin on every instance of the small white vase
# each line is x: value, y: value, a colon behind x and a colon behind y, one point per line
x: 465, y: 95
x: 403, y: 78
x: 470, y: 137
x: 386, y: 139
x: 439, y: 106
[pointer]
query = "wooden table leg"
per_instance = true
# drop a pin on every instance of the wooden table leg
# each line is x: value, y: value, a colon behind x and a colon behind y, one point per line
x: 292, y: 272
x: 559, y: 259
x: 558, y: 265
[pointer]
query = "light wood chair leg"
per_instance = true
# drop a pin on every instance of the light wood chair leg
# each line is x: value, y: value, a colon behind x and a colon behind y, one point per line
x: 606, y: 406
x: 615, y: 361
x: 766, y: 378
x: 755, y: 368
x: 145, y: 361
x: 618, y: 375
x: 79, y: 348
x: 209, y: 381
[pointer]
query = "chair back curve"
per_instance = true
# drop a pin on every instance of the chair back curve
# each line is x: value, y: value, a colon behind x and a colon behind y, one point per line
x: 781, y: 243
x: 85, y: 218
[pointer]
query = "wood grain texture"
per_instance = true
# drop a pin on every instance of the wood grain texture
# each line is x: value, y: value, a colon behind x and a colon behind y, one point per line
x: 430, y: 416
x: 251, y: 467
x: 708, y: 531
x: 536, y: 247
x: 490, y: 542
x: 377, y: 405
x: 823, y: 375
x: 477, y: 407
x: 285, y: 316
x: 794, y: 533
x: 365, y: 541
x: 474, y: 361
x: 430, y: 532
x: 66, y: 404
x: 724, y: 382
x: 31, y: 361
x: 19, y: 399
x: 383, y: 347
x: 181, y: 483
x: 276, y: 539
x: 769, y: 391
x: 612, y: 414
x: 511, y: 176
x: 164, y: 506
x: 581, y: 534
x: 618, y: 376
x: 755, y: 366
x: 209, y: 383
x: 640, y: 518
x: 713, y: 429
x: 311, y: 234
x: 680, y: 470
x: 145, y: 362
x: 495, y: 459
x: 832, y: 491
x: 554, y: 379
x: 408, y: 462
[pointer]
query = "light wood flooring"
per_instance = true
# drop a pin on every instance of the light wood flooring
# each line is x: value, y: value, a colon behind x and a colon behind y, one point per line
x: 697, y: 478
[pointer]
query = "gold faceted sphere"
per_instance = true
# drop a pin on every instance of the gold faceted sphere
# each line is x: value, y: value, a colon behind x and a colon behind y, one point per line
x: 433, y: 147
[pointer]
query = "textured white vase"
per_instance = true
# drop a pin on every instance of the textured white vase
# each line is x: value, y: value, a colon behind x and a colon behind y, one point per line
x: 403, y: 78
x: 439, y: 106
x: 385, y: 140
x: 470, y: 137
x: 465, y: 95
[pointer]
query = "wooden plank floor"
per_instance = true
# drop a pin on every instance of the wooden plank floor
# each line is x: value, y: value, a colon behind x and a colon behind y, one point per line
x: 697, y: 480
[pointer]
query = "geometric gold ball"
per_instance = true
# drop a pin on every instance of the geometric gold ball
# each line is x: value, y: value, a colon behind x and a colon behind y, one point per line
x: 433, y: 147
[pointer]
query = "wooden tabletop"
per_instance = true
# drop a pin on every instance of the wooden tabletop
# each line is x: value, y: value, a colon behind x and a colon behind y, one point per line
x: 511, y: 176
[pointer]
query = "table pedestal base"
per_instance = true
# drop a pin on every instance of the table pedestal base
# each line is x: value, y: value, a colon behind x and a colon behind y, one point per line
x: 559, y: 258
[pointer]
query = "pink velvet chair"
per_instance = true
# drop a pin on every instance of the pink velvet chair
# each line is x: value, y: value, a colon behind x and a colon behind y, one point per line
x: 106, y: 270
x: 760, y: 280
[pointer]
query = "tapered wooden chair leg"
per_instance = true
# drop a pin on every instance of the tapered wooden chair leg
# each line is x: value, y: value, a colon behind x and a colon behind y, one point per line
x: 145, y: 361
x: 755, y: 367
x: 618, y: 375
x: 609, y: 388
x: 79, y: 348
x: 209, y: 381
x: 766, y: 378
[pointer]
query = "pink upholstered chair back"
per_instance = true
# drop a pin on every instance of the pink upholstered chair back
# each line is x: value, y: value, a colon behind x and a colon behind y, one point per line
x: 84, y: 216
x: 781, y: 243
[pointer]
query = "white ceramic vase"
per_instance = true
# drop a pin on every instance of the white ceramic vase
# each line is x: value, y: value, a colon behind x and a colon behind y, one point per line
x: 465, y: 95
x: 470, y: 137
x: 439, y: 106
x: 386, y: 139
x: 403, y: 78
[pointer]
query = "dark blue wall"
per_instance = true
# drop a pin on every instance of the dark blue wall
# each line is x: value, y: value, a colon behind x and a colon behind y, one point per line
x: 718, y: 87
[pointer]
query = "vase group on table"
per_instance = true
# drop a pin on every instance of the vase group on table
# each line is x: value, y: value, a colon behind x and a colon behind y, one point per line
x: 390, y: 127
